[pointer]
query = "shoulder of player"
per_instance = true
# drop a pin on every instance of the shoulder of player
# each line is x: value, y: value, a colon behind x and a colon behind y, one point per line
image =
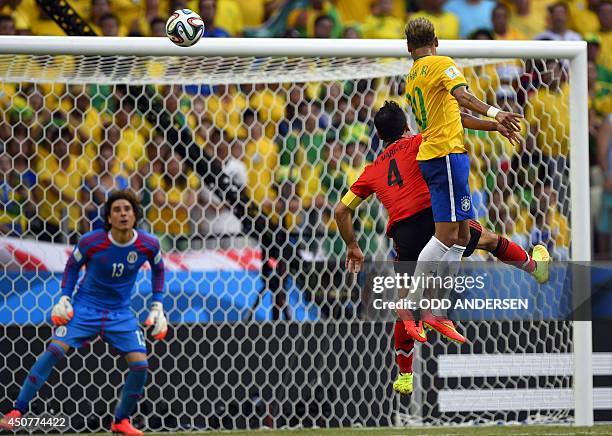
x: 149, y: 240
x: 93, y: 238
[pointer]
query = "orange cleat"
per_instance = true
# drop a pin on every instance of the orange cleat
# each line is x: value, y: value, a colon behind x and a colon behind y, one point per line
x: 8, y: 421
x: 414, y: 328
x: 125, y: 427
x: 443, y: 326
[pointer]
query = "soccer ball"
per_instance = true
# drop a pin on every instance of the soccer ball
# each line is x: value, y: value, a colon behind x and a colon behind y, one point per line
x: 184, y: 27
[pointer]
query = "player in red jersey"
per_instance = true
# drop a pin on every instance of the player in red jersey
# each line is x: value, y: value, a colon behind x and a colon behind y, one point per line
x: 396, y: 180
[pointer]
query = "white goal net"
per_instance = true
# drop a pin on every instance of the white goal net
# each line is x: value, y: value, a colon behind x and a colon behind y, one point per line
x: 238, y: 163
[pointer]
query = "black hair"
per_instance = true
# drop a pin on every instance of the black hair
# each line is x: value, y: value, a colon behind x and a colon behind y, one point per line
x: 323, y: 18
x: 390, y: 122
x: 122, y: 195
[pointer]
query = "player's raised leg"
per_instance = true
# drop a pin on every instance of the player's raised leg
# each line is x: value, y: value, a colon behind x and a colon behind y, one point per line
x: 509, y: 252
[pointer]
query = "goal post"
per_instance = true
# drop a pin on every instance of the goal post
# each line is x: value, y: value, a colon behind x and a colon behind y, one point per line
x: 237, y: 61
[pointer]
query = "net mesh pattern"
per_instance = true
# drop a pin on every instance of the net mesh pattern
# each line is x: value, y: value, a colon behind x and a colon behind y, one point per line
x: 291, y: 135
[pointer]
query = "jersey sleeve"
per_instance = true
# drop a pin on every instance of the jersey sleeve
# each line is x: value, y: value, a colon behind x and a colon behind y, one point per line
x: 450, y: 75
x: 359, y: 191
x: 157, y: 272
x: 71, y: 273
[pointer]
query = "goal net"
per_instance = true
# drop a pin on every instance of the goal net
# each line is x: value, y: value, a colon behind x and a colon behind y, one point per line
x: 238, y: 162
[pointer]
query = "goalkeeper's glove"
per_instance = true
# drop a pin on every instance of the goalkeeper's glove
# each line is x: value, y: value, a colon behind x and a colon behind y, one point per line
x: 157, y: 319
x: 62, y: 312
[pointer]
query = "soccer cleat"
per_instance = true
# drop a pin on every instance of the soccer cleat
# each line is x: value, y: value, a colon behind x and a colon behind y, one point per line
x: 542, y: 258
x: 5, y: 422
x: 125, y: 427
x: 445, y: 327
x: 403, y: 384
x: 413, y: 328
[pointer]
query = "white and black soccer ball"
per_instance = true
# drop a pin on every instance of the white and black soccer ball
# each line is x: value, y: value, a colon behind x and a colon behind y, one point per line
x: 184, y: 27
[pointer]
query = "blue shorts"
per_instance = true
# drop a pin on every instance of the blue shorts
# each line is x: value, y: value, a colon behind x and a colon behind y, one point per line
x: 118, y: 328
x: 447, y: 179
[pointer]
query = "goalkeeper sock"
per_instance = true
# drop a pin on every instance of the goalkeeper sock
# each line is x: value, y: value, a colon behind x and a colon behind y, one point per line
x: 38, y: 376
x: 404, y: 346
x: 132, y: 390
x: 509, y: 252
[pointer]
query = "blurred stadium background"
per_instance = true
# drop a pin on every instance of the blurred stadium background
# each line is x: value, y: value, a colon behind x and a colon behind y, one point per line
x: 255, y: 271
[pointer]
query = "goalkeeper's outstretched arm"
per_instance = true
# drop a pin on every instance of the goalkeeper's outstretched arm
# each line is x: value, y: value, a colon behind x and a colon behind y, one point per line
x: 467, y: 100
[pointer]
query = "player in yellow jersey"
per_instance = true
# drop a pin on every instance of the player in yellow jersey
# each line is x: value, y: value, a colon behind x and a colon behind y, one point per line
x: 436, y: 90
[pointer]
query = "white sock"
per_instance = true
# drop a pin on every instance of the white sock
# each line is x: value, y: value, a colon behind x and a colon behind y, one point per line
x: 428, y: 263
x: 449, y: 266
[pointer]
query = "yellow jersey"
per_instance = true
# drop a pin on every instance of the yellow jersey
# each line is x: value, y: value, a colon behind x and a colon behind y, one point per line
x: 429, y: 87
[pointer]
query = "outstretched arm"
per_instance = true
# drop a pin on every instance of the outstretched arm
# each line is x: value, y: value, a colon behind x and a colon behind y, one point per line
x: 471, y: 122
x: 467, y: 100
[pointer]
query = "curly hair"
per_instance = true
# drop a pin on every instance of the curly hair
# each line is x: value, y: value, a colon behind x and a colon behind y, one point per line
x: 122, y: 195
x: 420, y: 32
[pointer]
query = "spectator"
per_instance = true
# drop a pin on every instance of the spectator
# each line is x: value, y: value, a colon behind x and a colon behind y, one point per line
x: 99, y: 12
x: 501, y: 29
x: 208, y: 12
x: 261, y: 159
x: 59, y: 182
x: 174, y: 194
x: 323, y: 27
x: 7, y: 25
x: 256, y: 12
x: 549, y: 226
x: 269, y: 102
x: 605, y: 34
x: 351, y: 32
x: 472, y: 14
x: 446, y: 23
x: 583, y: 16
x: 547, y: 113
x: 23, y: 15
x: 558, y: 18
x: 104, y: 176
x: 352, y: 11
x: 381, y: 24
x: 303, y: 19
x: 83, y: 117
x: 604, y: 157
x: 158, y: 27
x: 226, y: 107
x: 529, y: 18
x: 230, y: 16
x: 593, y: 50
x: 235, y: 168
x: 13, y: 198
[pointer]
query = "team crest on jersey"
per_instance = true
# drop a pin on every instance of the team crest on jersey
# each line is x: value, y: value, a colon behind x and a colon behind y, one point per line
x: 466, y: 203
x: 452, y: 72
x: 61, y: 331
x: 132, y: 257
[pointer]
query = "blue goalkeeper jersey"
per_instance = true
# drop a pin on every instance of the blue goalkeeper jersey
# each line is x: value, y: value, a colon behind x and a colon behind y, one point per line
x: 111, y: 269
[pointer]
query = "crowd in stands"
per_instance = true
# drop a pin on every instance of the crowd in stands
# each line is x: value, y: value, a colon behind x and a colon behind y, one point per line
x: 296, y: 148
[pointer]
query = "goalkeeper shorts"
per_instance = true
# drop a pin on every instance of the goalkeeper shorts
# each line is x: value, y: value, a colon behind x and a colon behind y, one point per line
x: 118, y: 328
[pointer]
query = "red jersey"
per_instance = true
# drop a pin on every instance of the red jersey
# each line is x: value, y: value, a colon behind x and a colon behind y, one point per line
x: 396, y: 180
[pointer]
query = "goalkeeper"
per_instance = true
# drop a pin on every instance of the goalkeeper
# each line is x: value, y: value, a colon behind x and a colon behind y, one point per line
x: 112, y: 258
x: 396, y: 179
